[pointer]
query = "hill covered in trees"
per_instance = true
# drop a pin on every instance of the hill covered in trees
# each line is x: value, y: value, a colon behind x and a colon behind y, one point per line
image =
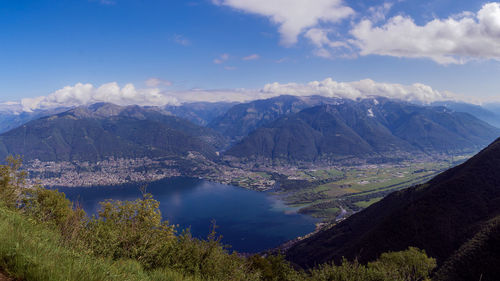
x: 244, y: 118
x: 454, y: 218
x: 96, y: 132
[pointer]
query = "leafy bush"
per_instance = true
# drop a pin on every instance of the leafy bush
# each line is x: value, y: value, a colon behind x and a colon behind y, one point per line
x: 410, y: 265
x: 11, y: 181
x: 52, y: 207
x: 33, y: 251
x: 274, y: 268
x: 347, y: 271
x: 132, y: 230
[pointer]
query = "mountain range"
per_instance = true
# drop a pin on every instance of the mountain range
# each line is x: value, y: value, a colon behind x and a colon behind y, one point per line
x: 200, y: 113
x: 285, y: 128
x: 365, y: 128
x: 489, y: 113
x: 95, y: 132
x: 455, y: 218
x: 244, y: 118
x: 10, y: 120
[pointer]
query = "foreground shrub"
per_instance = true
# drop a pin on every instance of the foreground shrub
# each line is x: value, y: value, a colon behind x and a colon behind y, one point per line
x: 347, y: 271
x: 135, y: 230
x: 410, y: 265
x: 12, y: 179
x: 32, y: 251
x: 274, y: 268
x: 52, y: 207
x: 132, y: 230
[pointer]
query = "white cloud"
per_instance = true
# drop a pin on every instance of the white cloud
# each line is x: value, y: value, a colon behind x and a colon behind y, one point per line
x: 104, y: 2
x: 217, y: 95
x: 378, y: 13
x: 181, y: 40
x: 360, y: 89
x: 455, y: 40
x: 282, y: 60
x: 251, y: 57
x: 156, y: 82
x: 221, y: 59
x: 329, y: 88
x: 293, y: 16
x: 84, y: 94
x: 319, y: 38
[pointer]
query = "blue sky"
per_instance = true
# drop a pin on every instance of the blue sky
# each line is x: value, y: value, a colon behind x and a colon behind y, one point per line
x: 228, y: 44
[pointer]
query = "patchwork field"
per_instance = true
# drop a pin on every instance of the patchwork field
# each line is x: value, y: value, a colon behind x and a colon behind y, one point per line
x: 335, y: 193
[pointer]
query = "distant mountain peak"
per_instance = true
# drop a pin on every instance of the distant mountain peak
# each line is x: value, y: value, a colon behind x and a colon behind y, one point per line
x: 106, y: 110
x: 98, y: 131
x: 365, y: 129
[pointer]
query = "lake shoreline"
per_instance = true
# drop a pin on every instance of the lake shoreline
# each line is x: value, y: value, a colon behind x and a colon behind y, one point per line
x: 250, y: 221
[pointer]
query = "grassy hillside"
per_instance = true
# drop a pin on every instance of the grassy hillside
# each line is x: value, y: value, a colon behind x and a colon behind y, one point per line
x: 31, y: 251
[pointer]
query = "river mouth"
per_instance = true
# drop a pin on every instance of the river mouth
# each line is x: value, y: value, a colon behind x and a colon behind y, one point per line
x: 249, y: 221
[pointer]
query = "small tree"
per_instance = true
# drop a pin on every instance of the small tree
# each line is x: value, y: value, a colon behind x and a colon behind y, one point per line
x: 52, y: 207
x: 410, y: 265
x: 12, y: 180
x: 346, y: 271
x: 131, y: 229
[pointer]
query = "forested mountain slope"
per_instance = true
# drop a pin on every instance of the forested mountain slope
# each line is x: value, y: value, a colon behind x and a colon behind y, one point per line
x: 454, y: 217
x: 93, y: 133
x: 367, y: 128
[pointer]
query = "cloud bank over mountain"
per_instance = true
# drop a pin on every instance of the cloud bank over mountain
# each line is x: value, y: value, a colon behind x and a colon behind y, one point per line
x: 81, y: 94
x: 84, y: 94
x: 361, y: 89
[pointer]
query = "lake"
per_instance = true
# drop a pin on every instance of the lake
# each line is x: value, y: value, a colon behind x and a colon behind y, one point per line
x: 249, y: 221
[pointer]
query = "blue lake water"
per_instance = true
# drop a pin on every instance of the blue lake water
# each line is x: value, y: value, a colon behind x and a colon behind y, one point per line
x: 249, y: 221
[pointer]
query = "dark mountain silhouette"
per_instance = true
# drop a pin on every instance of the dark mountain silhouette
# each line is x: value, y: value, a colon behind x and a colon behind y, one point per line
x: 454, y: 217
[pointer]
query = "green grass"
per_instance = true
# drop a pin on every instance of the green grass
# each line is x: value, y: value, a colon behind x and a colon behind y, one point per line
x: 365, y: 204
x: 31, y: 251
x: 333, y: 211
x: 322, y: 213
x: 359, y: 184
